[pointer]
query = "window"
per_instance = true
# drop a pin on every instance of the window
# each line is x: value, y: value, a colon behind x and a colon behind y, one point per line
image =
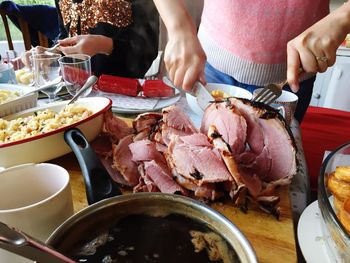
x: 15, y: 33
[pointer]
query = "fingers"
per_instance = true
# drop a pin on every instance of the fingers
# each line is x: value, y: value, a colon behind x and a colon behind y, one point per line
x: 69, y: 50
x: 70, y: 41
x: 293, y: 65
x: 39, y: 49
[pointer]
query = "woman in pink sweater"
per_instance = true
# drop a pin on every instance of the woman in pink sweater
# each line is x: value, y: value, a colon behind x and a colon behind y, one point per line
x: 242, y: 43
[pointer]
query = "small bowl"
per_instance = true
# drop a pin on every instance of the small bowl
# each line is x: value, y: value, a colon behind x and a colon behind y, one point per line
x: 336, y: 238
x: 228, y: 89
x: 19, y: 104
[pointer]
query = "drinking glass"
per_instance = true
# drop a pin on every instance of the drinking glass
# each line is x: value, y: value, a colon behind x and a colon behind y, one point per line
x: 76, y: 69
x: 46, y: 69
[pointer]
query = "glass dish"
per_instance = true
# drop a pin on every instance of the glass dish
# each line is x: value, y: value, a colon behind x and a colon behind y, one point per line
x: 335, y: 236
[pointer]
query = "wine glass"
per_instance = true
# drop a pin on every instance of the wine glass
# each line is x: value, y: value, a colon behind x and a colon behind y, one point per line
x: 46, y: 69
x: 76, y: 69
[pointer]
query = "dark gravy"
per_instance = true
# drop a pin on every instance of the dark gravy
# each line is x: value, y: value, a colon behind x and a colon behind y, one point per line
x: 143, y: 238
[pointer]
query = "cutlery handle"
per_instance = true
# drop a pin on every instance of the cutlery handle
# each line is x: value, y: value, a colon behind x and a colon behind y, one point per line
x: 90, y: 82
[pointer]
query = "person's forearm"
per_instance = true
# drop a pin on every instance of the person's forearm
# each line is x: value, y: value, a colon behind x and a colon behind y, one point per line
x: 342, y: 18
x: 175, y: 16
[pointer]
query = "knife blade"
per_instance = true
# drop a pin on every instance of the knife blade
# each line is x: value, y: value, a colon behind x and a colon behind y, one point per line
x: 203, y: 96
x: 199, y: 91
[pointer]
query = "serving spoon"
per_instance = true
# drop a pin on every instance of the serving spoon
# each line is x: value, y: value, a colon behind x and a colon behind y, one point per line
x: 22, y: 244
x: 89, y: 83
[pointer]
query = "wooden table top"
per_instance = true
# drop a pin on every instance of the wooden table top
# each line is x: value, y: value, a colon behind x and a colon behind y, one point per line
x: 272, y: 240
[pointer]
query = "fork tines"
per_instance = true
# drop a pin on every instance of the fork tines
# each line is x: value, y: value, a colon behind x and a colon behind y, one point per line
x: 268, y: 94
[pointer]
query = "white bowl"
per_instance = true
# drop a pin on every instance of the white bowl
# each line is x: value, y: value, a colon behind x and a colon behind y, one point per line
x: 19, y: 104
x: 51, y: 145
x: 228, y: 89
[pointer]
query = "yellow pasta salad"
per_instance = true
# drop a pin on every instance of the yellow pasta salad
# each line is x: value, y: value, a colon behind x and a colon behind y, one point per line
x: 7, y: 95
x: 41, y: 122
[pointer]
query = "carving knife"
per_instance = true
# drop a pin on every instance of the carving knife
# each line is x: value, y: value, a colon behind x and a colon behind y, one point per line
x: 199, y: 91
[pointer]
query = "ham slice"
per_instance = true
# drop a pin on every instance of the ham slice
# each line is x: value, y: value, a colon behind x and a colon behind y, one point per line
x: 146, y: 121
x: 102, y: 145
x: 238, y: 188
x: 196, y: 162
x: 175, y: 122
x: 153, y: 167
x: 230, y: 124
x: 268, y: 146
x: 115, y: 127
x: 122, y: 161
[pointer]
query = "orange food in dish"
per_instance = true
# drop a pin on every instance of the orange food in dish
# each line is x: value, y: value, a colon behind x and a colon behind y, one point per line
x: 344, y: 214
x: 339, y: 188
x: 219, y: 94
x: 339, y: 184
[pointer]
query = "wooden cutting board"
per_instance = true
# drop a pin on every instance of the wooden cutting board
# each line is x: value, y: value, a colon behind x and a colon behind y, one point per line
x: 273, y: 240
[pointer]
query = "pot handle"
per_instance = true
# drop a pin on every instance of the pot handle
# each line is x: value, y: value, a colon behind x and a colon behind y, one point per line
x: 98, y: 183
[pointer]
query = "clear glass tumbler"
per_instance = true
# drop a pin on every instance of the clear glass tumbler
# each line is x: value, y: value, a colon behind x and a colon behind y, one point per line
x: 76, y: 69
x: 46, y: 69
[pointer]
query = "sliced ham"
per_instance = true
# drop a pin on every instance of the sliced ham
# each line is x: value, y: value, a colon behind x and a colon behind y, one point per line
x: 197, y: 163
x: 174, y: 116
x: 145, y: 150
x: 255, y: 135
x: 146, y: 121
x: 115, y: 127
x: 281, y: 150
x: 238, y: 189
x: 175, y: 122
x: 113, y: 173
x: 122, y: 161
x: 230, y: 124
x: 145, y: 182
x: 205, y: 191
x: 155, y: 171
x: 102, y: 145
x: 269, y: 148
x: 162, y: 178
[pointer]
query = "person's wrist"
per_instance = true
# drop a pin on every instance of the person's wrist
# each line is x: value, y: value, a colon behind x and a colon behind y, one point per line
x: 184, y: 24
x: 106, y: 45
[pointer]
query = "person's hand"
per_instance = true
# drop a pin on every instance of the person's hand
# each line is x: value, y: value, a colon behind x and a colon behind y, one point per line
x: 315, y: 49
x: 184, y: 60
x: 86, y: 44
x: 35, y: 50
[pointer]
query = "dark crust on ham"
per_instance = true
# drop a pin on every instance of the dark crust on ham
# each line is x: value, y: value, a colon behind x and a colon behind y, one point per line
x: 238, y: 191
x: 147, y: 125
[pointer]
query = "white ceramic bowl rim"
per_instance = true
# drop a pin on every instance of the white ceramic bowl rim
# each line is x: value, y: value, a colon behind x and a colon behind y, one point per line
x: 25, y: 166
x: 106, y: 106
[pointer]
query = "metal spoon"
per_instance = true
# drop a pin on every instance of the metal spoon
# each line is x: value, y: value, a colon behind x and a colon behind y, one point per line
x: 53, y: 48
x: 90, y: 82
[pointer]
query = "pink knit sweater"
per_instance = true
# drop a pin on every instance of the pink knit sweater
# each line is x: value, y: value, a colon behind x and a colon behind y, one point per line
x: 248, y: 39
